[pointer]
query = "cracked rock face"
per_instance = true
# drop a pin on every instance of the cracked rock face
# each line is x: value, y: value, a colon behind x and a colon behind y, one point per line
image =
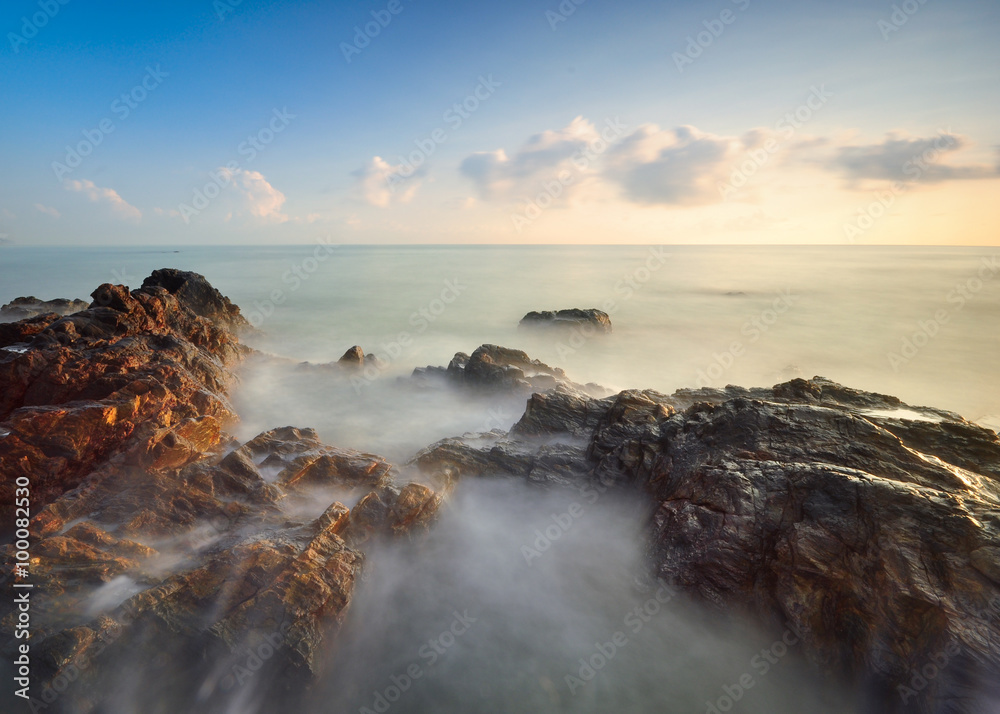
x: 871, y: 526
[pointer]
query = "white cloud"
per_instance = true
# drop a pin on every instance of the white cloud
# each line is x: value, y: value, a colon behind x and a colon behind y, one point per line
x: 674, y: 167
x: 542, y: 158
x: 41, y: 208
x: 107, y: 195
x: 262, y: 199
x: 381, y: 183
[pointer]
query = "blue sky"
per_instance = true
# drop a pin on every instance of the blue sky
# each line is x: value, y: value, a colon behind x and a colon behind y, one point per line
x: 528, y: 163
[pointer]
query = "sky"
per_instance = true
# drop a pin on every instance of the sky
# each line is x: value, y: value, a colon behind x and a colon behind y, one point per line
x: 581, y: 121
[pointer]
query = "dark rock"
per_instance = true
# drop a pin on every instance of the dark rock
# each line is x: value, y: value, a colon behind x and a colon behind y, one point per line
x: 491, y: 368
x: 592, y: 318
x: 195, y: 292
x: 871, y: 526
x: 354, y: 357
x: 23, y: 308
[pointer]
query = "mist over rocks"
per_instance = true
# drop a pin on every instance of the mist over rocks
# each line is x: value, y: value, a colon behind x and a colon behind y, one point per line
x: 491, y: 368
x: 591, y: 318
x: 868, y: 525
x: 26, y: 307
x: 154, y: 534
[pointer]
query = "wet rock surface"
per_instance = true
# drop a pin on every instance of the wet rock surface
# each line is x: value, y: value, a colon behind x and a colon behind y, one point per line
x: 868, y: 525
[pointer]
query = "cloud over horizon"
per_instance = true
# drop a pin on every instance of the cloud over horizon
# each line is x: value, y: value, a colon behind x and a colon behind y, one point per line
x: 381, y: 184
x: 677, y: 167
x: 262, y: 199
x: 900, y: 158
x: 96, y: 194
x: 543, y: 156
x: 49, y: 210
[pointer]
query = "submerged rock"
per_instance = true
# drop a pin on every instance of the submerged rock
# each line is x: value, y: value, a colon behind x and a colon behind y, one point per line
x: 589, y: 319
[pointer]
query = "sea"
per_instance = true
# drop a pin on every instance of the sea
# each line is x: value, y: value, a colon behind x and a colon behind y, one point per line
x: 463, y: 621
x: 919, y: 323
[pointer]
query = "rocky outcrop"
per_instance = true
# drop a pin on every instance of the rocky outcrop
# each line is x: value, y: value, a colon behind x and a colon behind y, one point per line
x: 869, y: 526
x: 23, y: 308
x: 153, y: 533
x: 491, y: 368
x: 132, y: 367
x: 587, y: 320
x: 216, y: 557
x: 354, y: 357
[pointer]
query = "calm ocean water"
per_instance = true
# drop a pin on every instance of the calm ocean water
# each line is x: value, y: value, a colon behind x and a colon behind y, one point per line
x: 919, y: 323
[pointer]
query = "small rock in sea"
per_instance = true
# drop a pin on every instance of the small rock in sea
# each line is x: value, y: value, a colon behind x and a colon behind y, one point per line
x: 26, y: 307
x: 574, y: 317
x: 353, y: 356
